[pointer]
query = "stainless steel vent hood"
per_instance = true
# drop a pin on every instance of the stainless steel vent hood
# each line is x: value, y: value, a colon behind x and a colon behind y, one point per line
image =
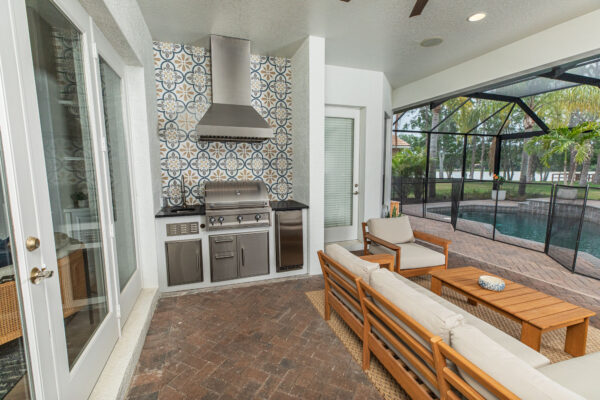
x: 231, y: 117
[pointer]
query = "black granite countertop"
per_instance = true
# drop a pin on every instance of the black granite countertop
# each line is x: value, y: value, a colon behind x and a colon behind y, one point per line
x: 199, y: 209
x: 287, y: 205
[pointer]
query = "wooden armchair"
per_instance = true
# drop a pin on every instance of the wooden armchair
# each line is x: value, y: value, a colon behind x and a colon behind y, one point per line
x: 411, y: 259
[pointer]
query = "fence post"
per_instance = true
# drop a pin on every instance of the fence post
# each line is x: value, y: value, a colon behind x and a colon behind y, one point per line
x: 550, y: 216
x: 495, y: 210
x: 587, y: 189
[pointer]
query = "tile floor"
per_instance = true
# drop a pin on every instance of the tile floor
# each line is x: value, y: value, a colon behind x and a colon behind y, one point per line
x: 268, y: 342
x: 260, y: 342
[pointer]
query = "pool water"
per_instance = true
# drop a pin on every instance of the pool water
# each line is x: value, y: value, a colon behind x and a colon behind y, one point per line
x: 533, y: 227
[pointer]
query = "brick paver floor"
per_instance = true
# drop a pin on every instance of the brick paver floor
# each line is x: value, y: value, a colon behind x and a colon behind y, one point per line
x: 528, y: 267
x: 264, y: 341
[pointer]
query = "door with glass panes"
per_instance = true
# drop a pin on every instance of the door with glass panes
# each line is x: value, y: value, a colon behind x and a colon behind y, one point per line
x: 70, y: 159
x: 342, y: 128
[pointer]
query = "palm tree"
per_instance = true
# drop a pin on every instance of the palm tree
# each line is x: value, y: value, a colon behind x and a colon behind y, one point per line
x: 567, y: 140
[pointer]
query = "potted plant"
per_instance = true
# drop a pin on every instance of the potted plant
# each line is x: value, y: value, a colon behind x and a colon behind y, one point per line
x: 395, y: 209
x: 498, y: 193
x: 80, y: 199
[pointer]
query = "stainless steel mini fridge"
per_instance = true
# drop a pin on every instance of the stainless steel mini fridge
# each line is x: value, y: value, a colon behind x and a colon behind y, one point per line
x: 288, y: 236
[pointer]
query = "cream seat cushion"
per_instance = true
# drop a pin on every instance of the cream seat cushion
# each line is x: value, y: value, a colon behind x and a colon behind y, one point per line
x: 580, y: 374
x: 513, y: 373
x: 352, y: 263
x: 393, y: 230
x: 434, y: 317
x: 515, y: 346
x: 413, y: 255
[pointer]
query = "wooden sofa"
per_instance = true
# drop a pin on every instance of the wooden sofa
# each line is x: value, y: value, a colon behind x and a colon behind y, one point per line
x: 341, y: 293
x: 403, y: 237
x: 420, y: 359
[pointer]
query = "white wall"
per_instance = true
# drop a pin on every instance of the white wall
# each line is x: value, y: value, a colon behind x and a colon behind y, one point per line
x: 371, y: 92
x: 308, y: 119
x: 122, y: 23
x: 571, y: 40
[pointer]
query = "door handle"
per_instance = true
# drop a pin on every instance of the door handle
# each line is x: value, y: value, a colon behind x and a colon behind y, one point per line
x: 37, y: 275
x: 243, y: 258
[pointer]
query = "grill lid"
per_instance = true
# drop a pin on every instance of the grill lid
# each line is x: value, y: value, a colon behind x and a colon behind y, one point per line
x: 235, y: 194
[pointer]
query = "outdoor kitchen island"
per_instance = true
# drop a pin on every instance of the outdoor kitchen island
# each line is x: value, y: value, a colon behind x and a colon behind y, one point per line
x: 200, y: 247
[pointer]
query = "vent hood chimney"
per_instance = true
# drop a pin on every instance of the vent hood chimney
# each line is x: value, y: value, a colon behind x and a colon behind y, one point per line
x: 231, y: 117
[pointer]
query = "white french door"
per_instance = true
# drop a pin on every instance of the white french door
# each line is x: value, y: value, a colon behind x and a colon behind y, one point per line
x: 110, y: 74
x: 64, y: 136
x: 342, y: 135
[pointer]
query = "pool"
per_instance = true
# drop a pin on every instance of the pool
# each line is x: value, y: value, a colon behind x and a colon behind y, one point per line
x: 533, y: 227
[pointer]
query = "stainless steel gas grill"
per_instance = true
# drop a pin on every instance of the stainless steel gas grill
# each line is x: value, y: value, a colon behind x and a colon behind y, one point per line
x: 236, y: 204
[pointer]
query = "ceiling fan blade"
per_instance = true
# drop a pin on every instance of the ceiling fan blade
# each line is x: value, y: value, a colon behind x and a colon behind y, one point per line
x: 418, y: 8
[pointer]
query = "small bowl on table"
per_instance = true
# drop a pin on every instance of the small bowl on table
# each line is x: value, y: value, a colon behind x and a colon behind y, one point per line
x: 491, y: 283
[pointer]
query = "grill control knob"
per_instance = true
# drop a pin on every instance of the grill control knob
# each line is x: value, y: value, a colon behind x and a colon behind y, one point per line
x: 221, y: 219
x: 212, y: 220
x: 240, y: 218
x: 258, y: 217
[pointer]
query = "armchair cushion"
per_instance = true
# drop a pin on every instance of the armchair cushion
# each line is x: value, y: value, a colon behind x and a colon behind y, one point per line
x: 413, y: 255
x: 393, y: 230
x: 506, y: 368
x: 580, y: 374
x: 352, y: 263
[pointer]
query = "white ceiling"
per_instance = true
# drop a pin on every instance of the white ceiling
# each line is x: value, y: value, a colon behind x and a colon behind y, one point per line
x: 369, y: 34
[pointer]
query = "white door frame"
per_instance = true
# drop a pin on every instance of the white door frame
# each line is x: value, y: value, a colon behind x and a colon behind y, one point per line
x: 350, y: 232
x: 15, y: 125
x: 131, y: 291
x: 30, y: 209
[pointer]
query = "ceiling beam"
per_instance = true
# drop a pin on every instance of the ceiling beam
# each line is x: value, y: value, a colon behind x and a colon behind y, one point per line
x: 573, y: 78
x: 533, y: 115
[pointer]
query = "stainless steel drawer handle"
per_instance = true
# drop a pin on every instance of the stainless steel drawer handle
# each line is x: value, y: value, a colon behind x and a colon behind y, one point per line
x: 223, y: 240
x: 222, y: 256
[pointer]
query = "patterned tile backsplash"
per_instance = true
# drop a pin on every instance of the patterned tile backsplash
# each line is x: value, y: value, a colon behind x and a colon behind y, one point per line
x: 183, y: 89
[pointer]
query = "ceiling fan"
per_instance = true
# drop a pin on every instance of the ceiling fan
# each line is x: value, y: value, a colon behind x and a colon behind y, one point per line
x: 417, y: 9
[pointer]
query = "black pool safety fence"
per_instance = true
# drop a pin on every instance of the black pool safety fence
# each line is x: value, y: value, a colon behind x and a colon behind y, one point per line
x: 561, y: 221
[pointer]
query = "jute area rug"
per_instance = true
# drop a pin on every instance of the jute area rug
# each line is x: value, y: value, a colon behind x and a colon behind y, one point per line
x: 552, y: 342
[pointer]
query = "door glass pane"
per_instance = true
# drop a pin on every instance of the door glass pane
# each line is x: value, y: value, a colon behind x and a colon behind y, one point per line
x: 56, y: 46
x: 119, y: 172
x: 339, y: 163
x: 14, y: 381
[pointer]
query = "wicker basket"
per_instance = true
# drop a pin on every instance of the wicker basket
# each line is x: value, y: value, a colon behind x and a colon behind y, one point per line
x: 71, y: 273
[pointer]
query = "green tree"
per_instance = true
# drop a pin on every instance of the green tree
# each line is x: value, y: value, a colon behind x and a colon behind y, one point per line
x: 574, y: 141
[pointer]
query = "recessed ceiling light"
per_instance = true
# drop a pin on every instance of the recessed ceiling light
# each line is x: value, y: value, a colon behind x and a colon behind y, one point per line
x: 431, y: 42
x: 477, y: 17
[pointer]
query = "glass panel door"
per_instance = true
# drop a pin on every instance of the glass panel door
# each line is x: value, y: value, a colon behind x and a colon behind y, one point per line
x: 341, y: 173
x: 57, y: 52
x: 120, y: 184
x: 14, y: 363
x: 339, y: 159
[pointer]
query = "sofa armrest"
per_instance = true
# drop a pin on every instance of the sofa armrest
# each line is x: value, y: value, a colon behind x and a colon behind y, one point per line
x: 428, y: 237
x: 388, y: 245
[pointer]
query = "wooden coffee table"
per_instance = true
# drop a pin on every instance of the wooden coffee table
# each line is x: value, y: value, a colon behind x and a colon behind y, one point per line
x: 535, y: 311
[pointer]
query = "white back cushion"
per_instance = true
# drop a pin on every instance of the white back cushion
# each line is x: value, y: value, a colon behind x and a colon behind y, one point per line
x: 393, y: 230
x: 352, y: 263
x: 433, y: 316
x: 506, y: 368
